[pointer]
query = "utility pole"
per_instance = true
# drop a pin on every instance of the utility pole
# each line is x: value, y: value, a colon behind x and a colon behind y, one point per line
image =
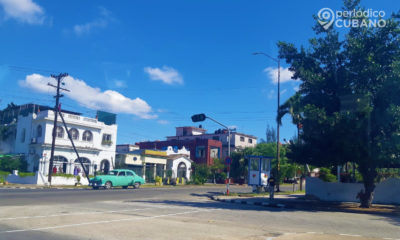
x: 58, y: 77
x: 277, y: 60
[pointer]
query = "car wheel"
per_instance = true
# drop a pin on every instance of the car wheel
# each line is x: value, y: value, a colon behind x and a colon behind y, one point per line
x: 124, y: 187
x: 108, y: 185
x: 137, y: 185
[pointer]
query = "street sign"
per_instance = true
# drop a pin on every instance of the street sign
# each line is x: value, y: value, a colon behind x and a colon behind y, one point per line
x: 228, y: 161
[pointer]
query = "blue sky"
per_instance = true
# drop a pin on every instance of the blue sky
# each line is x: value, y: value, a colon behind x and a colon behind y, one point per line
x: 156, y: 63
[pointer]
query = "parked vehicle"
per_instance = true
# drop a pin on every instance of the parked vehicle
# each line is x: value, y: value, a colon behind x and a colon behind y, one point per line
x: 117, y: 178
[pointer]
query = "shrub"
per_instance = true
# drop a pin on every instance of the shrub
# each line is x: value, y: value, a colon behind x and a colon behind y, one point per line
x: 13, y: 162
x: 326, y: 175
x: 26, y: 174
x: 63, y: 175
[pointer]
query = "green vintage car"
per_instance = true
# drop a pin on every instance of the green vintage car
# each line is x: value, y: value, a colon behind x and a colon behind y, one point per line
x: 117, y: 178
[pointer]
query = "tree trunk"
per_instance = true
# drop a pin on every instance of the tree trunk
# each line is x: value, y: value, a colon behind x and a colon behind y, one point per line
x: 367, y: 194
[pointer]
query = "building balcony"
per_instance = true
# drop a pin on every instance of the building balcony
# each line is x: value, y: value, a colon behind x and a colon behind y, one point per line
x: 71, y: 119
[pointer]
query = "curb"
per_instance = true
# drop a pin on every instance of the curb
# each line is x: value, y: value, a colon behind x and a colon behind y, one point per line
x: 264, y: 204
x: 60, y: 188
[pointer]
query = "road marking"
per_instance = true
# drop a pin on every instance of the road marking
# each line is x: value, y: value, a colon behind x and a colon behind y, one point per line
x: 81, y: 213
x: 350, y: 235
x: 105, y: 221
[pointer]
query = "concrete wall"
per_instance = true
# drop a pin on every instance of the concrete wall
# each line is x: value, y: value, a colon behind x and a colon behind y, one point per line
x: 386, y: 192
x: 41, y: 180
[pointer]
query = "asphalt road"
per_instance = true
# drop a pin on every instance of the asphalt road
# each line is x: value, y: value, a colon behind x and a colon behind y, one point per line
x: 172, y: 213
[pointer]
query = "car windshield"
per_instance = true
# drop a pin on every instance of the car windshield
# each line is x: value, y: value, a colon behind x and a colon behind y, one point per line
x: 115, y: 173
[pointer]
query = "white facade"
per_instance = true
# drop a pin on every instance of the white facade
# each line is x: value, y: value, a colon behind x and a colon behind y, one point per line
x: 94, y: 140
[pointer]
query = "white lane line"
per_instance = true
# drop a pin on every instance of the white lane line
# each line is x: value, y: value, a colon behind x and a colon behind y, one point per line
x: 105, y: 221
x: 82, y: 213
x: 350, y: 235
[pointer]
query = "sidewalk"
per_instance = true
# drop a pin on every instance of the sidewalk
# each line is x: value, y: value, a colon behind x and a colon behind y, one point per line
x: 301, y: 202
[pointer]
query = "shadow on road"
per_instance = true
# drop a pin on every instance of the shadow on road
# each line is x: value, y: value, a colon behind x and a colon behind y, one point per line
x: 290, y: 206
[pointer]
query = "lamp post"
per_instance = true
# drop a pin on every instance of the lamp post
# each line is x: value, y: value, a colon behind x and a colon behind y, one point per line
x: 277, y: 60
x: 201, y: 117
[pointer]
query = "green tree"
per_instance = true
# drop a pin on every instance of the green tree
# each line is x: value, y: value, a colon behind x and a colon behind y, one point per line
x: 349, y: 96
x: 270, y: 134
x: 217, y: 167
x: 201, y: 173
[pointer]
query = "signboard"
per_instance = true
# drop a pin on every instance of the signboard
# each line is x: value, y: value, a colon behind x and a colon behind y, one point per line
x: 228, y: 161
x: 259, y: 170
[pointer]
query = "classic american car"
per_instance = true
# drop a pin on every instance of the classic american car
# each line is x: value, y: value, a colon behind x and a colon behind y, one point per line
x: 117, y: 178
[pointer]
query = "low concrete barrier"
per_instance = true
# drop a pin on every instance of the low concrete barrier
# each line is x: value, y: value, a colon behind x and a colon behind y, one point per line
x: 386, y: 192
x: 41, y: 180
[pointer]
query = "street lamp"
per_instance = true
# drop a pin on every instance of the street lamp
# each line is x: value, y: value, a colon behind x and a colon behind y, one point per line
x: 201, y: 117
x: 277, y: 60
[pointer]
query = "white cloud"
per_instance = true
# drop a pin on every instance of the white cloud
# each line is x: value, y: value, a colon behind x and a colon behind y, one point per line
x: 91, y: 97
x: 100, y: 22
x: 271, y: 94
x: 296, y: 88
x: 119, y: 83
x: 25, y: 11
x: 283, y: 91
x: 286, y: 75
x: 167, y: 75
x: 163, y: 122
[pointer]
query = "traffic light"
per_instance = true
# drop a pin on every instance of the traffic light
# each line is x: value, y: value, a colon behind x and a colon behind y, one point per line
x: 199, y: 117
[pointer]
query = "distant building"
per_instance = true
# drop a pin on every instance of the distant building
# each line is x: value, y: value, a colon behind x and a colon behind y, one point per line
x: 152, y: 163
x: 202, y: 151
x: 32, y: 127
x: 238, y: 140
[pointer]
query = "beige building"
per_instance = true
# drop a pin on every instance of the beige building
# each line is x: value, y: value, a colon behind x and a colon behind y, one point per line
x: 152, y: 163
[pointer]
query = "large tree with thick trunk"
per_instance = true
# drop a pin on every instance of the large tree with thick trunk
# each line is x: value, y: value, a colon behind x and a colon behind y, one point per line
x: 349, y: 98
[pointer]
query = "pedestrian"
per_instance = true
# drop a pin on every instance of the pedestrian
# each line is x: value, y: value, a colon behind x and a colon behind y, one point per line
x: 271, y: 187
x: 75, y: 171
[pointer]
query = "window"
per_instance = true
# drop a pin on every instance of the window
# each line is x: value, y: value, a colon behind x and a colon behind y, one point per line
x: 214, y: 153
x: 60, y: 132
x: 215, y: 138
x: 87, y: 136
x: 74, y: 133
x: 129, y: 173
x: 242, y: 139
x: 254, y: 164
x: 39, y: 131
x: 121, y: 173
x: 106, y: 139
x: 23, y: 133
x: 250, y: 140
x: 200, y: 152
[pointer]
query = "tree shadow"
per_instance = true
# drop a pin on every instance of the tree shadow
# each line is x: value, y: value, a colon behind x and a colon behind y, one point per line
x: 290, y: 205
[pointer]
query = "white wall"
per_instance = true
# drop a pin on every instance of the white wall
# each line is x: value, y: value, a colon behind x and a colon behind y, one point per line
x: 386, y: 192
x: 41, y: 179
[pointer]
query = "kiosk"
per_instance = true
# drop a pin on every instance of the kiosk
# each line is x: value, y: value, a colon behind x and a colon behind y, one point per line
x: 259, y: 171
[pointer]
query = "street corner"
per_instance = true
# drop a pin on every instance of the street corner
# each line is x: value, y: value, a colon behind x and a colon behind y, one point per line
x: 319, y: 236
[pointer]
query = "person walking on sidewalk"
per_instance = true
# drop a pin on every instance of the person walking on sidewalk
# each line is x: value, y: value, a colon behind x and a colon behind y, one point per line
x: 271, y: 187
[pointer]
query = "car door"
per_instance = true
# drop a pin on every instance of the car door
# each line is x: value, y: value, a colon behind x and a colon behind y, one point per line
x: 130, y: 177
x: 122, y: 179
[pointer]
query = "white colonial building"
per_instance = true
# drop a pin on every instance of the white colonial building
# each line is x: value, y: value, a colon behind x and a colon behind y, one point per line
x: 95, y: 142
